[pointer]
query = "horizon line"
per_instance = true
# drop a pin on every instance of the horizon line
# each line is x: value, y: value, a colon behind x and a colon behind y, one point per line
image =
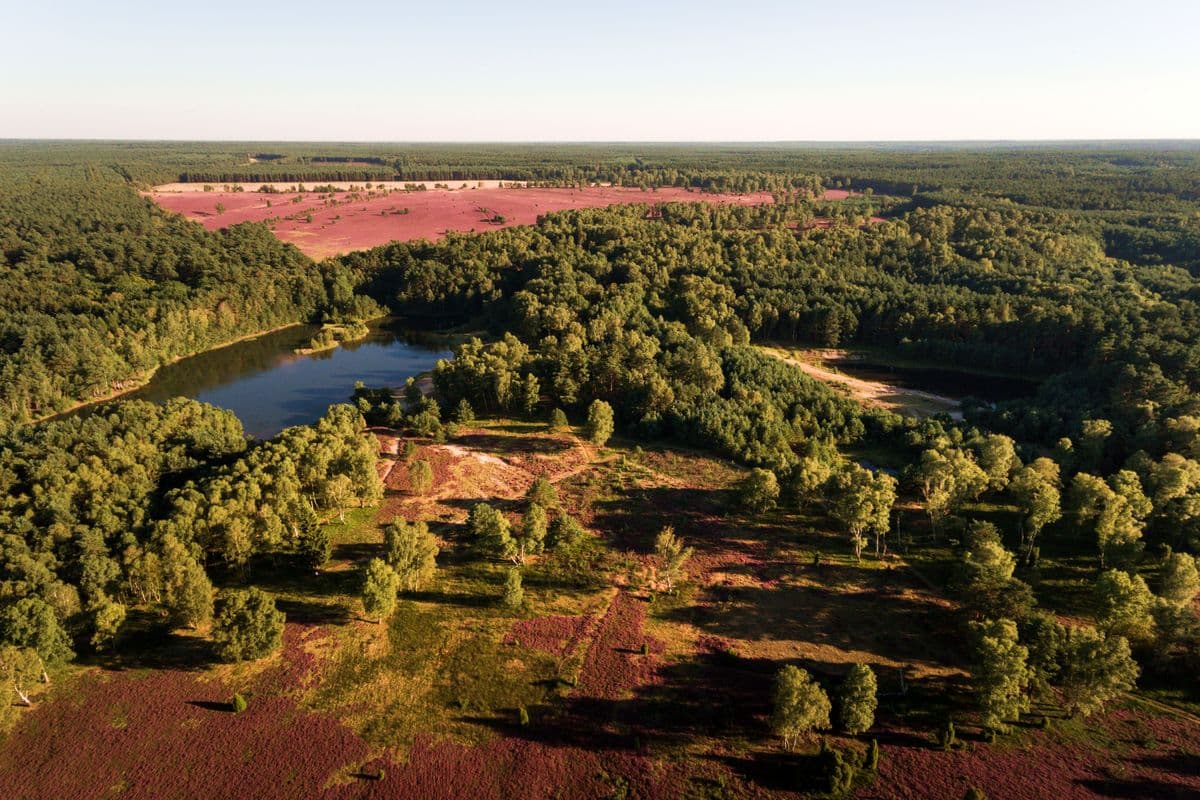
x: 809, y: 142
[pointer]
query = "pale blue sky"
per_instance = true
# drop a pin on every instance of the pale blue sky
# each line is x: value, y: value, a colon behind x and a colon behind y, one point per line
x: 616, y: 70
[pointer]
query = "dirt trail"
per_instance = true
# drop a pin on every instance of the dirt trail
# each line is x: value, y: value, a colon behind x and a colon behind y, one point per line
x: 876, y: 393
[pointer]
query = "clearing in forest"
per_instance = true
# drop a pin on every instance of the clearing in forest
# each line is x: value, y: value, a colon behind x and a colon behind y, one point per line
x: 334, y: 222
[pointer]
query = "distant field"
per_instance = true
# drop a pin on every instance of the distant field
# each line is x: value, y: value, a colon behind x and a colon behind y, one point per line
x: 326, y: 224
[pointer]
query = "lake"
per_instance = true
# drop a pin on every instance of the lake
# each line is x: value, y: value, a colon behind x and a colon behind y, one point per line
x: 270, y: 387
x: 952, y: 382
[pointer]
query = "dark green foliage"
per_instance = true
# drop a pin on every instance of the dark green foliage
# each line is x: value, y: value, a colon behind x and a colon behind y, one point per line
x: 32, y: 623
x: 759, y: 491
x: 872, y: 760
x: 314, y: 546
x: 238, y: 704
x: 599, y: 426
x: 411, y: 551
x: 838, y: 772
x: 491, y: 532
x: 946, y: 738
x: 514, y: 593
x: 975, y: 794
x: 99, y: 286
x: 463, y: 413
x: 247, y: 627
x: 542, y: 493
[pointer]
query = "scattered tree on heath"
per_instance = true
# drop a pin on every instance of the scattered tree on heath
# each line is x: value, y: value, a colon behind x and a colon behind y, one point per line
x: 1095, y: 670
x: 248, y: 626
x: 1180, y: 581
x: 600, y: 423
x: 862, y: 500
x: 800, y: 706
x: 420, y: 477
x: 411, y: 551
x: 379, y: 590
x: 542, y: 493
x: 1124, y: 605
x: 491, y: 532
x: 759, y: 491
x: 857, y: 699
x: 532, y: 538
x: 514, y: 593
x: 671, y: 555
x: 1001, y: 672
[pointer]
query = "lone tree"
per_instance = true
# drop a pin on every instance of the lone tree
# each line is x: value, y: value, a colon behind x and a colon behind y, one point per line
x: 420, y: 477
x: 857, y: 700
x: 514, y: 593
x: 946, y: 479
x: 672, y: 555
x: 533, y: 532
x: 1001, y: 671
x: 862, y: 501
x: 801, y: 706
x: 379, y: 590
x: 565, y: 533
x: 463, y: 413
x: 998, y: 459
x: 759, y: 491
x: 600, y: 423
x: 248, y: 626
x: 491, y: 532
x: 1095, y: 669
x: 411, y: 551
x: 107, y: 618
x: 542, y: 493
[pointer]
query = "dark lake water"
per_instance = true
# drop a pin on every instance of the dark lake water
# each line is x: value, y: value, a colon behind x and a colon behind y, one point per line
x: 949, y: 382
x: 270, y: 387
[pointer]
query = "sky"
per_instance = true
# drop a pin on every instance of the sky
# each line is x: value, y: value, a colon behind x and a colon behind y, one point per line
x: 656, y: 70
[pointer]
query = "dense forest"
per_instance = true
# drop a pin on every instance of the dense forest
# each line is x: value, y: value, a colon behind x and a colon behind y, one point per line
x: 595, y: 294
x: 99, y: 287
x: 1076, y: 266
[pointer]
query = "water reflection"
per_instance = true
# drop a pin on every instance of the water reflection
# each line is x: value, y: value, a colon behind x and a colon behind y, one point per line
x: 270, y: 387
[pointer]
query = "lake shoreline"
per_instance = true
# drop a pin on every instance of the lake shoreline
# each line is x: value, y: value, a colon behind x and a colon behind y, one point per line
x: 144, y: 381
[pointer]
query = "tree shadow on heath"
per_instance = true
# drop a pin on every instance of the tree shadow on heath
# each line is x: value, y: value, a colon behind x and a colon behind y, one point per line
x: 635, y: 518
x: 887, y: 624
x: 1185, y: 764
x: 149, y: 642
x: 461, y: 600
x: 1138, y: 789
x: 710, y: 694
x: 211, y: 705
x: 511, y: 445
x: 307, y: 612
x: 287, y: 575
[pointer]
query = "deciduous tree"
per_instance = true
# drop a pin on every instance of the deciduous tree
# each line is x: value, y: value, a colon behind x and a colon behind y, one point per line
x: 800, y: 706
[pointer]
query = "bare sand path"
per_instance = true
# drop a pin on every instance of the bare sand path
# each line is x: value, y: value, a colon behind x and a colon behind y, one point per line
x: 902, y: 400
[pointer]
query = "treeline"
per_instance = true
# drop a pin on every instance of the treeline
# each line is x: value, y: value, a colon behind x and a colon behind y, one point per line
x: 329, y: 169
